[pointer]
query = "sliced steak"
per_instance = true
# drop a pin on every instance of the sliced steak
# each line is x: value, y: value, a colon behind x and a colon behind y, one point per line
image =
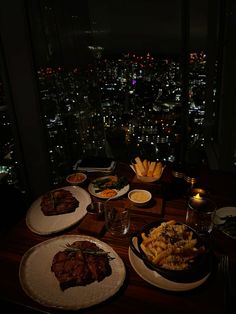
x: 58, y: 202
x: 80, y: 264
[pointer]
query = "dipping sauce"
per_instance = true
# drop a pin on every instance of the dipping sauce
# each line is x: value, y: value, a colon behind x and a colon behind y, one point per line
x: 76, y: 178
x: 139, y: 196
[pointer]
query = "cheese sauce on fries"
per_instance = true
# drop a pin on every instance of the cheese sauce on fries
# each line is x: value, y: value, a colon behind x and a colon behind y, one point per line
x: 171, y: 246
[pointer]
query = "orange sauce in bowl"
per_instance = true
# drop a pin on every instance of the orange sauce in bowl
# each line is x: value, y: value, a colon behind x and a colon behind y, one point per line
x: 76, y: 178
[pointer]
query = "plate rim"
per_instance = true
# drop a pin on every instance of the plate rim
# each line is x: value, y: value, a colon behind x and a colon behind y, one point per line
x: 182, y: 286
x: 73, y: 237
x: 125, y: 189
x: 225, y: 208
x: 33, y: 205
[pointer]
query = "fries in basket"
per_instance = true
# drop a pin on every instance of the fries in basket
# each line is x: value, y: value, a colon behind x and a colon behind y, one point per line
x: 146, y: 170
x: 171, y: 246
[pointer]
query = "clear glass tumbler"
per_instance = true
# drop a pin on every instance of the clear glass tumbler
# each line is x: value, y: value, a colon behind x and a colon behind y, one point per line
x: 117, y: 218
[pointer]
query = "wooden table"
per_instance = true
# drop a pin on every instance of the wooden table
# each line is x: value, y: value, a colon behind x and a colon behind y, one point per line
x: 136, y: 295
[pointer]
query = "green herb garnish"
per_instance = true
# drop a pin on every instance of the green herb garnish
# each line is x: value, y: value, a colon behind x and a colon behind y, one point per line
x: 73, y: 249
x: 52, y: 200
x: 101, y: 184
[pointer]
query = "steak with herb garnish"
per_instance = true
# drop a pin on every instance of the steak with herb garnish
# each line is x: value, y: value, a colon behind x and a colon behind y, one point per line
x: 58, y: 202
x: 80, y: 264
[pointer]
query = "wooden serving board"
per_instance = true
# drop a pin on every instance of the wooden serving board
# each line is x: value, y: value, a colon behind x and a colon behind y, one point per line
x: 92, y: 226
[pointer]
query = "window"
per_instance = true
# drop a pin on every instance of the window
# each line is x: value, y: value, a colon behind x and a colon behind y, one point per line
x: 116, y: 78
x: 8, y: 169
x: 111, y: 82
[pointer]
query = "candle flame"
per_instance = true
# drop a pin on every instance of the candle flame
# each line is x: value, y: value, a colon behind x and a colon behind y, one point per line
x: 197, y: 196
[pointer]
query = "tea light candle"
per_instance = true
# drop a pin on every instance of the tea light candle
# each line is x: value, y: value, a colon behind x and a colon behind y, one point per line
x: 200, y: 191
x: 197, y: 202
x: 197, y: 197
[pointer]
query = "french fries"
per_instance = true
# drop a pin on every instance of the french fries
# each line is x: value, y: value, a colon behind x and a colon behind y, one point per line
x: 147, y: 168
x: 151, y: 169
x: 170, y: 246
x: 157, y: 169
x: 140, y: 166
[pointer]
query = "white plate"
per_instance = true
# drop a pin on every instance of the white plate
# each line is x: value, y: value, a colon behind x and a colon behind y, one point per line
x: 92, y: 189
x: 157, y: 280
x: 39, y: 223
x: 40, y: 283
x: 221, y: 213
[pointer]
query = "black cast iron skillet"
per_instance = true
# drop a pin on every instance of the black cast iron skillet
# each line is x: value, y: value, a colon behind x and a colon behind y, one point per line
x: 200, y: 267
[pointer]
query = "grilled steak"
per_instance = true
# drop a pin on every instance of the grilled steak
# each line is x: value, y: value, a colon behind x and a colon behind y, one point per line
x: 58, y: 202
x: 80, y: 264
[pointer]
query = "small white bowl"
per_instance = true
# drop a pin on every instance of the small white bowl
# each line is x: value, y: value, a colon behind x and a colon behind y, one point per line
x: 76, y: 178
x: 139, y: 197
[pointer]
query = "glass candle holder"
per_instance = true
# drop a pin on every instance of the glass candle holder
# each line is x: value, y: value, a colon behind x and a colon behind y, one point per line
x: 200, y: 213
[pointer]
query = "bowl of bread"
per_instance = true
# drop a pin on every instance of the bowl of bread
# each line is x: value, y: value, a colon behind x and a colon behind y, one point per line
x: 172, y: 249
x: 146, y: 170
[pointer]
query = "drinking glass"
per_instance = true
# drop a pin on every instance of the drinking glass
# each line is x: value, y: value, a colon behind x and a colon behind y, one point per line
x: 117, y: 218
